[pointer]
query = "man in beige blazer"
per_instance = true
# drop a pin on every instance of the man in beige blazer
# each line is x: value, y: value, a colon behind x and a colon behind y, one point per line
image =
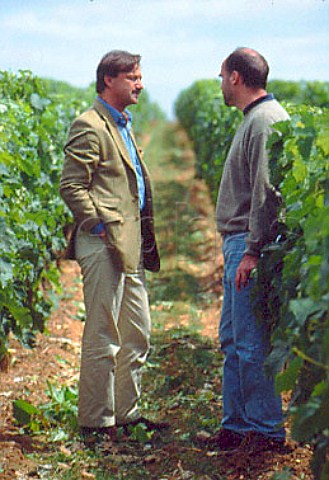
x: 106, y: 185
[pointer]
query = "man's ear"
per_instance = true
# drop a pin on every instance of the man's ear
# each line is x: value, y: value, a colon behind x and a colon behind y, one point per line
x: 235, y: 77
x: 107, y: 80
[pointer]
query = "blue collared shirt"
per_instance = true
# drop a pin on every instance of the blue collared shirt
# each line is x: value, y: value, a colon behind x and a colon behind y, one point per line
x: 124, y: 126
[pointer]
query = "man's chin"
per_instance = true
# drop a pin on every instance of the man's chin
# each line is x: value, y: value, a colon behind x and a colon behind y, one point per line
x: 135, y: 99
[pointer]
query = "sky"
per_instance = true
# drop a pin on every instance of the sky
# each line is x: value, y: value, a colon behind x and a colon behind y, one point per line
x: 180, y: 41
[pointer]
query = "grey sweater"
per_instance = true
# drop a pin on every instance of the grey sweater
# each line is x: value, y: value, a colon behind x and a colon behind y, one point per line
x: 247, y: 202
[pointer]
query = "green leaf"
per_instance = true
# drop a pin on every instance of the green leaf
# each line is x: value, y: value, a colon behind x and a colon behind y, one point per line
x: 311, y: 419
x: 323, y: 137
x: 303, y: 308
x: 286, y: 380
x: 6, y: 272
x: 38, y: 102
x: 286, y: 474
x: 140, y: 433
x: 23, y: 412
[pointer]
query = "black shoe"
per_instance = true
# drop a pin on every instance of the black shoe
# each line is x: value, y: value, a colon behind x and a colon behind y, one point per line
x: 95, y: 435
x: 224, y: 440
x: 257, y: 442
x: 150, y: 426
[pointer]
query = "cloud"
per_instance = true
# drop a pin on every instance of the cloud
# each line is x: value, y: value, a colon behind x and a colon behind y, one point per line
x: 180, y: 40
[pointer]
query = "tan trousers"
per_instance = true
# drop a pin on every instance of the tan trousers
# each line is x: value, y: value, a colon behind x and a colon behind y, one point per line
x: 116, y: 337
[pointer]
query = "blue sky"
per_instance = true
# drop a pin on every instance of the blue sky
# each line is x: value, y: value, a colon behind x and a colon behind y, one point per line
x: 180, y: 40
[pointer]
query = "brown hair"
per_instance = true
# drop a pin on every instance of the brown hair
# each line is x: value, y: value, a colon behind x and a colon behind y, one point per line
x: 112, y: 64
x: 251, y: 65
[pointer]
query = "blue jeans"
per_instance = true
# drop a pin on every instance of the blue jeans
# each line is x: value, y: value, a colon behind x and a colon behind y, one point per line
x: 249, y: 399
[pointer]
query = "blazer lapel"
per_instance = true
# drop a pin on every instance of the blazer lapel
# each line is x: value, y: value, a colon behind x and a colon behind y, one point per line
x: 111, y: 125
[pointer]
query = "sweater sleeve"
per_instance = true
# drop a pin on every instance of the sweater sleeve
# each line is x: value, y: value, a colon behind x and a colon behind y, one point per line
x: 264, y: 200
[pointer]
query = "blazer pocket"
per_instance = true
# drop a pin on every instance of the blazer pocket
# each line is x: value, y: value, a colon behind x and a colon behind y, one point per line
x: 110, y: 215
x: 113, y: 221
x: 112, y: 202
x: 108, y: 210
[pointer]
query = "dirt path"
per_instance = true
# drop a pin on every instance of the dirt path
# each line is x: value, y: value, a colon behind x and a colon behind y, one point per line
x: 191, y: 263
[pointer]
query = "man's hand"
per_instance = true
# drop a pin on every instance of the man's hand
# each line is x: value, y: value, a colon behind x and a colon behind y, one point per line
x: 102, y: 234
x: 99, y: 230
x: 247, y: 264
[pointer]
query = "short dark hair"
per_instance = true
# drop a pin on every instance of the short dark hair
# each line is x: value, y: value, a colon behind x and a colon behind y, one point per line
x: 112, y: 64
x: 250, y: 64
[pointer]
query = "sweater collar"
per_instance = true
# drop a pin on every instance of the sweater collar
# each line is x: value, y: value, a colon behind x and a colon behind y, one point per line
x: 264, y: 98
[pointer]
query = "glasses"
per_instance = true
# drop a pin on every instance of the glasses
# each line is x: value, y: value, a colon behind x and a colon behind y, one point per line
x: 134, y: 78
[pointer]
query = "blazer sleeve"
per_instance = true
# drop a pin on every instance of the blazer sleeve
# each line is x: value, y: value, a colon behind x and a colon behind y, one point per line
x: 81, y: 160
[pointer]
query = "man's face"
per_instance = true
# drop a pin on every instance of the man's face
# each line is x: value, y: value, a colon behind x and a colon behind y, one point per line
x: 126, y: 87
x: 226, y: 86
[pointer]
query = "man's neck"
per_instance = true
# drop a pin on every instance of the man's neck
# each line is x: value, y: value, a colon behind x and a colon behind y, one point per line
x: 249, y: 96
x: 107, y: 98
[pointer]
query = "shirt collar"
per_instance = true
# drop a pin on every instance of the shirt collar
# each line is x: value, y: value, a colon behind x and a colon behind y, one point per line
x: 264, y: 98
x: 122, y: 119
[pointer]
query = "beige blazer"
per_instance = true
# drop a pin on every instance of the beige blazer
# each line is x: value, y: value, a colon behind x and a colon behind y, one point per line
x: 98, y: 183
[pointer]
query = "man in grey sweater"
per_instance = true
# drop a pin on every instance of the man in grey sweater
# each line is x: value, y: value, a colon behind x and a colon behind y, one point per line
x: 247, y: 209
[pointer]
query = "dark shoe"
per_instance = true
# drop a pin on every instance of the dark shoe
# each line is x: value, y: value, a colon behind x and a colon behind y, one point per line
x: 257, y: 442
x: 150, y: 426
x: 224, y: 439
x: 95, y: 435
